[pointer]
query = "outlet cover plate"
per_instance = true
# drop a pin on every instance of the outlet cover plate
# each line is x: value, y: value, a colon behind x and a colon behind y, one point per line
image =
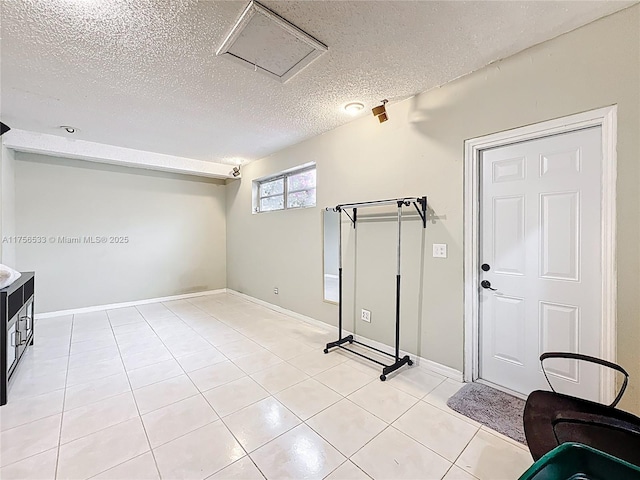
x: 365, y: 315
x: 439, y: 250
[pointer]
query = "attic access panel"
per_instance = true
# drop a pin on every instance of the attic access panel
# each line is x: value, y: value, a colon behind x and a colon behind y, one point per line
x: 267, y: 43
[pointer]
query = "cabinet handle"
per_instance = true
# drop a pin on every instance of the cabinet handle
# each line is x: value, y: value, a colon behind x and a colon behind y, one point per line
x: 26, y: 319
x: 17, y: 339
x: 13, y: 339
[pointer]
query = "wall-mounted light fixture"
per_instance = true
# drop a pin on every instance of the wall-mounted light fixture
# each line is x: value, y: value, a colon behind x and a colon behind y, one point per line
x: 381, y: 112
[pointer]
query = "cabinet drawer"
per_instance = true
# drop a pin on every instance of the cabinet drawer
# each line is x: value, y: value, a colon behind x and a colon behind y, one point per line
x: 15, y: 302
x: 29, y: 288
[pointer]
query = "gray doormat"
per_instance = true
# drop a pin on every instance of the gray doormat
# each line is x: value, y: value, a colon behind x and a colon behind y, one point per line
x: 493, y: 408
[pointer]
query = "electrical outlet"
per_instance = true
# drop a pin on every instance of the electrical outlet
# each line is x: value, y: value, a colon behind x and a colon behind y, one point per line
x: 366, y: 315
x: 439, y: 250
x: 275, y: 290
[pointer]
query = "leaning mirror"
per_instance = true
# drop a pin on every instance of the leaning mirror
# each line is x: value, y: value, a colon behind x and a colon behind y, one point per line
x: 331, y: 231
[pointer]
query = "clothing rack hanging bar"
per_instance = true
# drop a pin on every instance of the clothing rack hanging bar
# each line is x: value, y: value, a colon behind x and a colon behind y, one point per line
x: 377, y: 203
x: 420, y: 203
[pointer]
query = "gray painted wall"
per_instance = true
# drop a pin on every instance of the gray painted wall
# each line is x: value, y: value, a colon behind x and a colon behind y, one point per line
x: 420, y: 151
x: 175, y: 225
x: 7, y: 206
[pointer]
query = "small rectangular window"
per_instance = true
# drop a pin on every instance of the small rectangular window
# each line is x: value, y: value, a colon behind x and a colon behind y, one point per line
x: 294, y: 188
x: 272, y: 195
x: 301, y: 189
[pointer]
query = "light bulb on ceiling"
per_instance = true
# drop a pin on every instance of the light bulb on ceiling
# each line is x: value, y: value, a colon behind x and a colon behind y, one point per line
x: 354, y: 108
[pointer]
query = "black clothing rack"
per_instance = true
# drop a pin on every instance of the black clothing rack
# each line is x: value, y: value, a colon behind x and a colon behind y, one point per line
x: 420, y: 204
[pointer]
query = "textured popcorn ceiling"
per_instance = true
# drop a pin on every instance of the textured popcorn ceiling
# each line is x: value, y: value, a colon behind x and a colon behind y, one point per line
x: 143, y: 74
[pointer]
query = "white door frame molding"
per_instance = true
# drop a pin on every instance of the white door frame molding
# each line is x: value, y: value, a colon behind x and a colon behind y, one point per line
x: 607, y: 119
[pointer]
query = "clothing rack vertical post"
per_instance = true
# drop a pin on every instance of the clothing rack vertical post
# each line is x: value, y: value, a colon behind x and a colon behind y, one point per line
x: 420, y: 203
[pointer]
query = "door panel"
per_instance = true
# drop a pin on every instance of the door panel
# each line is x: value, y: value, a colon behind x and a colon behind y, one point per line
x: 540, y: 234
x: 508, y: 170
x: 508, y: 232
x: 560, y: 235
x: 559, y: 332
x: 560, y: 164
x: 509, y: 329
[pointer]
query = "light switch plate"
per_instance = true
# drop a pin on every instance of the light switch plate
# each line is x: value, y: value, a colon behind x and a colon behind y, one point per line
x: 439, y: 250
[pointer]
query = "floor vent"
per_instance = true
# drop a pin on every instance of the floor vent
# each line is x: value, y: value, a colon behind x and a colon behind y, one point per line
x: 267, y: 43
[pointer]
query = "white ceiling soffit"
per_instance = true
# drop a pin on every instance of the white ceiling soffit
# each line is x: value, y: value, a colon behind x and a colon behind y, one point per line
x: 144, y: 74
x: 43, y: 144
x: 265, y: 42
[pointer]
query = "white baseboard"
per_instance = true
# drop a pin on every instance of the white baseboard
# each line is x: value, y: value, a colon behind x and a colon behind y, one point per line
x: 436, y: 367
x: 426, y: 364
x: 97, y: 308
x: 284, y: 311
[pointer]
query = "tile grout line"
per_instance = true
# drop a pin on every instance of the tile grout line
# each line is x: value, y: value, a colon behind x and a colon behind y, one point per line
x: 236, y: 330
x: 119, y: 464
x: 57, y: 447
x: 460, y: 454
x: 406, y: 435
x: 506, y: 438
x: 64, y: 399
x: 233, y: 463
x: 344, y: 463
x: 230, y: 432
x: 200, y: 393
x: 135, y: 401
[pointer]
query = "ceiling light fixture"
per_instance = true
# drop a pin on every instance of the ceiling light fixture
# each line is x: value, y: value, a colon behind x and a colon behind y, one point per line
x: 353, y: 108
x: 68, y: 129
x: 381, y: 111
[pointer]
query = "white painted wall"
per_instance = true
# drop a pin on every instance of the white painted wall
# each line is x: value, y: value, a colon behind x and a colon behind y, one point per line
x: 175, y: 225
x: 420, y: 151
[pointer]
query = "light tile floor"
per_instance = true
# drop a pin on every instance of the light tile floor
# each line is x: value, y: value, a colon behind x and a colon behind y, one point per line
x: 219, y: 387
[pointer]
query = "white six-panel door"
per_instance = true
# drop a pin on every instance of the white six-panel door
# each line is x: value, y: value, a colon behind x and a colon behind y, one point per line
x: 540, y: 237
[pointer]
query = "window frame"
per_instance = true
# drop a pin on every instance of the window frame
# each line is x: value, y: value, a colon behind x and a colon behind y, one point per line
x: 285, y: 194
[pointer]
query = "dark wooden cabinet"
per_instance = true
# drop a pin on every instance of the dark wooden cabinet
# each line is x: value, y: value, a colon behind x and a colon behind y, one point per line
x: 16, y: 333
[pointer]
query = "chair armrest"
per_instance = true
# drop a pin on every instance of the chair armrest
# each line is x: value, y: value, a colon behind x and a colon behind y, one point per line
x: 598, y: 420
x: 587, y: 358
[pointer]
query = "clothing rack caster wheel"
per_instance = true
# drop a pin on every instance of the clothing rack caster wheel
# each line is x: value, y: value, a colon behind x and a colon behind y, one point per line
x: 326, y: 350
x: 410, y: 362
x: 383, y: 378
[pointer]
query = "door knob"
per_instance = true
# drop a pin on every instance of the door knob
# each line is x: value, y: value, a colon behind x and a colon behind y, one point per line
x: 485, y: 267
x: 486, y: 284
